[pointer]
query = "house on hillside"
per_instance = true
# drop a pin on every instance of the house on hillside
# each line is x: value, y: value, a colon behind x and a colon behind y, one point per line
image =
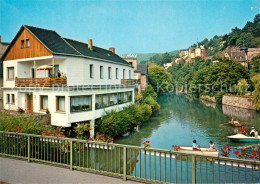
x: 73, y: 81
x: 3, y: 47
x: 188, y: 55
x: 140, y: 72
x: 242, y: 57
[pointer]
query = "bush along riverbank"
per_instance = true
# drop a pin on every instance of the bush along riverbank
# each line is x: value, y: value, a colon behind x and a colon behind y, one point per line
x: 115, y: 123
x: 23, y: 123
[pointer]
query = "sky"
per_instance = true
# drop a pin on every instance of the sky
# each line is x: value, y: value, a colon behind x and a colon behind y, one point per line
x: 131, y: 26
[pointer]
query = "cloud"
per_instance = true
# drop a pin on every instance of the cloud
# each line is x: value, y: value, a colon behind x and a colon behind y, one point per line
x: 251, y: 7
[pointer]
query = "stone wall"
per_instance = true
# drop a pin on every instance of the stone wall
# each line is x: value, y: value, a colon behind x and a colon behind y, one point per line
x: 208, y: 98
x: 242, y: 102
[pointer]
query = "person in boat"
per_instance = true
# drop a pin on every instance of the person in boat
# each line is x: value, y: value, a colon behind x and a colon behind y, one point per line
x: 234, y: 121
x: 195, y: 146
x: 256, y: 134
x: 253, y: 132
x: 243, y: 130
x: 212, y: 147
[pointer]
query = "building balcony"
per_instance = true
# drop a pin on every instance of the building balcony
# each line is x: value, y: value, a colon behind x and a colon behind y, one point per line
x: 40, y: 82
x: 131, y: 81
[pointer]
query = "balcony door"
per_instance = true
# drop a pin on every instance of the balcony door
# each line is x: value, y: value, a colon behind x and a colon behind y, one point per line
x: 29, y: 103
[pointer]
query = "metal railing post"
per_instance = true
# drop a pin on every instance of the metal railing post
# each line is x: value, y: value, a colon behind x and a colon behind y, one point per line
x: 71, y: 154
x: 29, y: 148
x: 124, y: 164
x: 193, y: 169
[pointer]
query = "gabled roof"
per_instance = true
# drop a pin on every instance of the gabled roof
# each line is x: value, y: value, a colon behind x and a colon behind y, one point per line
x: 64, y: 46
x: 97, y: 52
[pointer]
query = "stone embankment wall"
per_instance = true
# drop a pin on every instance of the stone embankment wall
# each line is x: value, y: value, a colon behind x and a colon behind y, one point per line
x: 242, y: 102
x: 237, y: 112
x: 208, y: 98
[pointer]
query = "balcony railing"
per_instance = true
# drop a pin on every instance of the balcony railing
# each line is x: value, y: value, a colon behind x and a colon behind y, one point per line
x: 40, y: 82
x: 131, y: 81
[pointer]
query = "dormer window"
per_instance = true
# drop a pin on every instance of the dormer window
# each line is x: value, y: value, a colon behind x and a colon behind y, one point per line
x: 22, y: 44
x: 27, y: 43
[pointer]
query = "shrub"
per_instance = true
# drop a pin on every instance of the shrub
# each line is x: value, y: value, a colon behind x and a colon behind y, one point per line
x: 219, y: 96
x: 151, y: 102
x: 149, y: 91
x: 82, y: 131
x: 114, y: 124
x: 242, y: 87
x: 26, y: 124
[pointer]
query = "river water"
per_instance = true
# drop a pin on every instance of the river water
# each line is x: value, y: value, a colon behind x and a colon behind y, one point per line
x: 183, y: 118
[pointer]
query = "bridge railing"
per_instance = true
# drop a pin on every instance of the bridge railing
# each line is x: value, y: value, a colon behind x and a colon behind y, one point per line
x: 128, y: 162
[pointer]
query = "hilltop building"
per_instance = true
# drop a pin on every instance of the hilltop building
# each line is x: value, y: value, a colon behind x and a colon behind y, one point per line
x: 140, y: 72
x: 188, y: 55
x: 167, y: 65
x: 242, y: 57
x: 3, y: 47
x: 73, y: 81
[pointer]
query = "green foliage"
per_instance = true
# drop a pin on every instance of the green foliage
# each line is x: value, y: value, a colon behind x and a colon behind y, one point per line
x: 158, y: 77
x: 219, y: 96
x: 156, y: 58
x: 114, y: 123
x: 257, y: 18
x: 221, y: 76
x: 204, y: 77
x: 250, y: 33
x: 249, y: 39
x: 149, y: 91
x: 183, y: 74
x: 82, y: 131
x: 242, y: 86
x: 22, y: 123
x: 256, y: 93
x: 152, y: 103
x: 255, y: 64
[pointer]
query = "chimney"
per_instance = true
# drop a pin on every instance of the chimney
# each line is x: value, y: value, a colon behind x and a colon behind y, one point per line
x: 112, y: 49
x: 90, y: 46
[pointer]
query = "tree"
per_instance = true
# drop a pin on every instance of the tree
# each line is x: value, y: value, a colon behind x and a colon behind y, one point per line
x: 253, y: 28
x: 257, y: 18
x: 221, y: 76
x: 255, y: 64
x: 242, y: 86
x: 149, y: 91
x: 158, y: 78
x: 233, y: 36
x: 249, y: 39
x: 166, y: 58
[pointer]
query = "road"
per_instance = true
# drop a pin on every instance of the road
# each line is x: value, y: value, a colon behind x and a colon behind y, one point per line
x: 20, y: 171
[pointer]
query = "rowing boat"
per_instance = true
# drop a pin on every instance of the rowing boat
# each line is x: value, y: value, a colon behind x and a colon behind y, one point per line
x: 201, y: 151
x: 243, y: 138
x: 236, y: 124
x: 184, y: 149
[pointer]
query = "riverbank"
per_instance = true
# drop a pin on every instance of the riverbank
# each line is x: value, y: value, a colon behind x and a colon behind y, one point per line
x: 233, y: 100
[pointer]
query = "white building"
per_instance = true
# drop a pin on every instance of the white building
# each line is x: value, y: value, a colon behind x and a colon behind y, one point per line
x: 80, y: 82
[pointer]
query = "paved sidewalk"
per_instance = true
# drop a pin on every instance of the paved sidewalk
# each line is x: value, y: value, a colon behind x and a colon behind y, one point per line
x: 20, y: 171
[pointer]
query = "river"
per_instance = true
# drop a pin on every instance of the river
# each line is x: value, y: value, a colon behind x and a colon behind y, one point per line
x: 183, y: 118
